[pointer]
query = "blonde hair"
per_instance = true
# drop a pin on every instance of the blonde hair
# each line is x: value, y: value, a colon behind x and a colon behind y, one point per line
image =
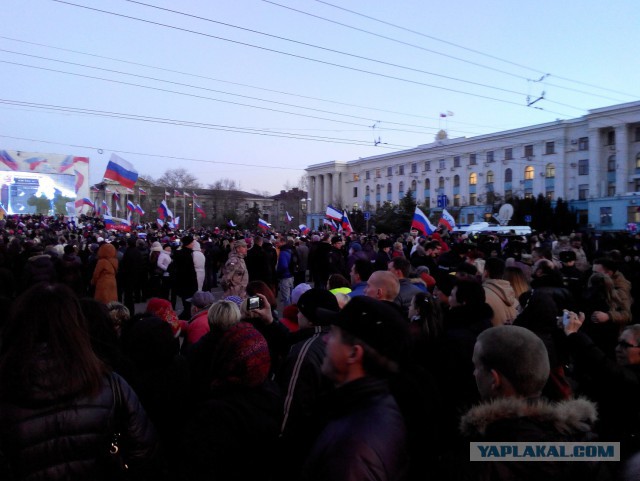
x: 223, y: 315
x: 517, y: 279
x: 119, y: 314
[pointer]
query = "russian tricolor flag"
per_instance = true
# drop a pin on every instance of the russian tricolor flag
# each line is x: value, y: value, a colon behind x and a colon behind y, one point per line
x: 142, y: 191
x: 199, y: 209
x: 333, y: 213
x: 421, y: 223
x: 231, y: 224
x: 116, y: 223
x: 7, y: 160
x: 131, y: 206
x: 304, y: 230
x: 139, y: 209
x: 263, y: 224
x: 331, y: 225
x: 82, y: 202
x: 289, y: 218
x: 346, y: 223
x: 121, y: 171
x: 164, y: 211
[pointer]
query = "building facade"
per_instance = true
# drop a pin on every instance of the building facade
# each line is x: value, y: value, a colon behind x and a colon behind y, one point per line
x: 593, y: 162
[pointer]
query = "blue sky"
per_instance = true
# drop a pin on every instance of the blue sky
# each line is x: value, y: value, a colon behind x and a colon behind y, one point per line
x: 205, y: 78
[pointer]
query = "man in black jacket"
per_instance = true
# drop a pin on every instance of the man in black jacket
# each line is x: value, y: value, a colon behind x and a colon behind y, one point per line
x: 366, y: 341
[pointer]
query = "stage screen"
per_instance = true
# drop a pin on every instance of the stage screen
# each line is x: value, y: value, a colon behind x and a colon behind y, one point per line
x: 37, y: 193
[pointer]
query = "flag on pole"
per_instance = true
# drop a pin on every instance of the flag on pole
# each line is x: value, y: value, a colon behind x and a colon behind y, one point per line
x: 164, y: 211
x: 289, y: 218
x: 186, y: 194
x: 121, y: 171
x: 82, y: 202
x: 176, y: 193
x: 95, y: 189
x: 304, y: 230
x: 199, y: 209
x: 333, y: 213
x: 116, y: 196
x: 160, y: 222
x: 447, y: 220
x: 167, y: 193
x: 193, y: 194
x: 117, y: 223
x: 131, y: 206
x: 231, y: 224
x: 329, y: 222
x: 117, y: 208
x: 142, y: 191
x: 421, y: 223
x: 139, y: 209
x: 105, y: 207
x: 263, y: 224
x: 346, y: 224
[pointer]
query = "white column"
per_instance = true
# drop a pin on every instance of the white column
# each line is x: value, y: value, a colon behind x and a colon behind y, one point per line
x: 622, y: 159
x: 326, y: 196
x: 597, y: 169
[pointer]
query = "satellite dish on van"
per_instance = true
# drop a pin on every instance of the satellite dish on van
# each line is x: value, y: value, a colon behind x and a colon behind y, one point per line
x: 504, y: 214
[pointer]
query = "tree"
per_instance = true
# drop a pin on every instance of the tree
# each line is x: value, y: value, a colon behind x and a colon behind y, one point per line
x: 224, y: 184
x: 251, y: 216
x: 178, y: 178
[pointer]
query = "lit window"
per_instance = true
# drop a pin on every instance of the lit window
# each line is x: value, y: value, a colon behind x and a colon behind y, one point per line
x: 473, y: 178
x: 638, y: 161
x: 490, y: 177
x: 529, y: 173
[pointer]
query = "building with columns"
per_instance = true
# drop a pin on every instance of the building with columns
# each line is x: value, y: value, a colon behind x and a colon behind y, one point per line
x: 593, y: 162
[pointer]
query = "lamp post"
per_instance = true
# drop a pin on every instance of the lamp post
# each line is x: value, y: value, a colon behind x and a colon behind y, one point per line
x: 307, y: 217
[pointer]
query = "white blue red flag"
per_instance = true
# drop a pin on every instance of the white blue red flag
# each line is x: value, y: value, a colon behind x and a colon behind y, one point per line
x: 199, y: 209
x: 421, y: 223
x: 346, y: 223
x: 121, y: 171
x: 304, y: 230
x: 142, y: 191
x: 139, y: 209
x: 447, y: 220
x: 289, y: 218
x: 164, y: 211
x: 131, y: 206
x: 333, y: 214
x: 263, y: 224
x: 231, y: 224
x: 116, y: 223
x: 331, y: 224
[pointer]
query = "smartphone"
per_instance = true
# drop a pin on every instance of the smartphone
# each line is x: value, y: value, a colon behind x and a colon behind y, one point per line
x: 254, y: 302
x: 565, y: 318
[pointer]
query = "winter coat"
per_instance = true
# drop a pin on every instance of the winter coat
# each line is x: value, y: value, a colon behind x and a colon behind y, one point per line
x: 185, y: 279
x: 351, y: 446
x: 500, y: 296
x: 164, y: 260
x: 38, y: 268
x: 408, y: 290
x: 521, y: 420
x: 235, y: 276
x: 104, y: 275
x: 622, y: 286
x: 199, y: 261
x: 51, y: 437
x: 287, y: 262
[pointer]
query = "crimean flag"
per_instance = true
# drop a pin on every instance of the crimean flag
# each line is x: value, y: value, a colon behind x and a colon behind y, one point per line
x: 447, y: 220
x: 121, y: 171
x: 333, y: 213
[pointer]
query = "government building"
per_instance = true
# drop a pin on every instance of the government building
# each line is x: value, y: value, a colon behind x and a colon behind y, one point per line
x: 593, y: 162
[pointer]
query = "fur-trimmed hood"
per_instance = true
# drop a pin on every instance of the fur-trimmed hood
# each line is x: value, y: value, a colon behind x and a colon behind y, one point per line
x: 569, y: 418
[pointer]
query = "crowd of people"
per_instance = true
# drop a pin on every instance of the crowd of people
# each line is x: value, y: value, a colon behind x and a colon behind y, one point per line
x: 326, y: 357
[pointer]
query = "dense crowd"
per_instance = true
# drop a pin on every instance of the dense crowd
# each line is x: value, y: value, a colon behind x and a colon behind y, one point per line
x: 330, y: 356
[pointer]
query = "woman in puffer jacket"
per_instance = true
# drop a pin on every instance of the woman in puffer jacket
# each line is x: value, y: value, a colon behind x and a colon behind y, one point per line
x: 59, y: 404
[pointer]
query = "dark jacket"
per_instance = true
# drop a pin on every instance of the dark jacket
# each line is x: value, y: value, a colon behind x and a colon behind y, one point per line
x: 185, y: 280
x: 351, y: 446
x: 53, y: 438
x: 520, y: 420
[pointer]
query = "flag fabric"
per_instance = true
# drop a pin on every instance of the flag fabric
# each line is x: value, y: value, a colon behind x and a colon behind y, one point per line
x: 107, y: 190
x: 346, y: 224
x: 3, y: 208
x: 139, y: 209
x: 142, y: 191
x: 443, y: 115
x: 175, y: 223
x: 332, y: 226
x: 105, y: 208
x: 333, y: 213
x: 289, y: 218
x: 95, y: 189
x: 193, y: 194
x: 117, y: 223
x: 199, y: 209
x: 231, y: 224
x: 7, y: 160
x: 164, y: 211
x: 131, y: 207
x: 421, y: 223
x: 447, y: 220
x: 263, y: 224
x: 116, y: 196
x: 166, y: 193
x: 186, y: 194
x: 82, y: 202
x: 117, y: 207
x: 177, y: 193
x: 304, y: 230
x: 121, y: 171
x: 34, y: 162
x: 129, y: 191
x: 160, y: 222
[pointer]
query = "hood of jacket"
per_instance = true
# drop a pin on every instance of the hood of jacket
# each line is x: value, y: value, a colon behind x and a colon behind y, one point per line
x: 569, y: 418
x: 502, y: 289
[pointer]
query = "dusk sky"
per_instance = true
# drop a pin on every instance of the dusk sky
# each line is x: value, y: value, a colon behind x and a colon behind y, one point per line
x: 257, y: 90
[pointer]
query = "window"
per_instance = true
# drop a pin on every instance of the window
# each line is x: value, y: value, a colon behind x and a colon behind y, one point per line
x: 356, y: 177
x: 583, y: 143
x: 508, y: 154
x: 605, y: 216
x: 442, y: 164
x: 490, y: 156
x: 367, y: 191
x: 636, y: 185
x: 638, y: 160
x: 389, y: 171
x: 355, y: 192
x: 456, y: 181
x: 550, y: 148
x: 472, y: 199
x: 611, y: 137
x: 528, y: 194
x: 427, y: 165
x: 549, y: 194
x: 473, y: 178
x: 401, y: 188
x: 583, y: 191
x: 378, y: 173
x: 473, y: 159
x: 367, y: 175
x: 456, y: 200
x: 632, y: 214
x: 378, y: 189
x: 529, y: 172
x: 636, y: 136
x: 388, y: 188
x: 427, y: 184
x: 456, y: 161
x: 611, y: 189
x: 401, y: 169
x: 550, y: 171
x: 583, y: 167
x: 414, y: 168
x: 508, y: 175
x: 528, y: 150
x: 414, y: 187
x: 611, y: 163
x: 441, y: 183
x: 490, y: 177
